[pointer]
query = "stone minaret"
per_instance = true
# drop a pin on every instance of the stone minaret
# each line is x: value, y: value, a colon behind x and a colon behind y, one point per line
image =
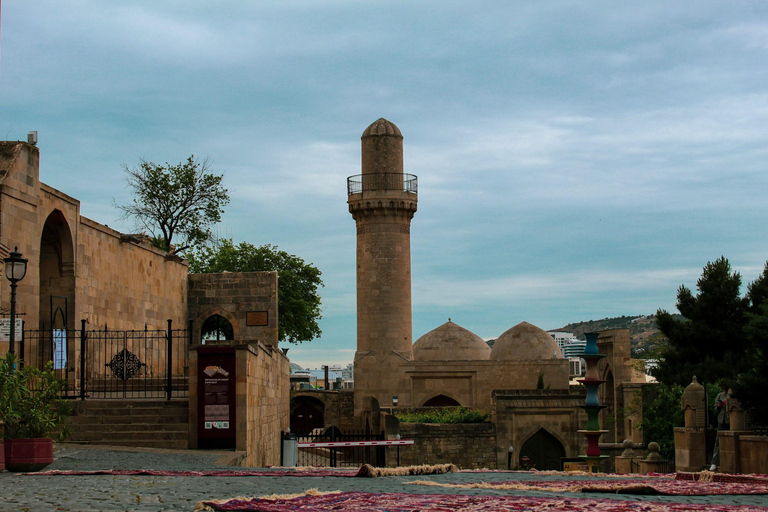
x: 382, y: 200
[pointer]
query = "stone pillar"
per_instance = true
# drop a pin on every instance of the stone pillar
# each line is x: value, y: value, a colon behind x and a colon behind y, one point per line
x: 730, y: 440
x: 690, y: 440
x: 653, y: 461
x: 627, y: 459
x: 382, y: 200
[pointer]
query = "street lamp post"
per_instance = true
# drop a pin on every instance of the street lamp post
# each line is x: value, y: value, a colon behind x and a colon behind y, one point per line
x: 15, y: 270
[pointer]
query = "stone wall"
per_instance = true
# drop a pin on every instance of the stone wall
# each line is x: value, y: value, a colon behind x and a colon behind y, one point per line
x: 247, y: 299
x: 124, y: 284
x: 93, y: 272
x: 743, y: 452
x: 522, y: 414
x: 468, y: 445
x: 470, y: 383
x: 262, y: 399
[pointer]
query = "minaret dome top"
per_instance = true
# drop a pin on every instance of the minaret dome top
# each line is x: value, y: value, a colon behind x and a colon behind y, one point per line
x: 382, y: 127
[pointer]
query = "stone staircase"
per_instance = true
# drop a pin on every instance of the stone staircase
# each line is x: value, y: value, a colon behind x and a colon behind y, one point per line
x: 147, y: 423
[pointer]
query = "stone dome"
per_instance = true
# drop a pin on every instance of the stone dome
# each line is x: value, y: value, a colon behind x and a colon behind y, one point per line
x: 382, y: 127
x: 450, y: 342
x: 525, y: 342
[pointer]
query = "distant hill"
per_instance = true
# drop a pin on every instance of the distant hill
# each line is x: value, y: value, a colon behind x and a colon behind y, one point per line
x: 641, y: 328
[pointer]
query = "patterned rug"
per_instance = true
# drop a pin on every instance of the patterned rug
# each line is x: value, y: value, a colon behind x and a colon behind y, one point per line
x: 646, y: 487
x: 395, y: 502
x: 366, y: 471
x: 157, y: 472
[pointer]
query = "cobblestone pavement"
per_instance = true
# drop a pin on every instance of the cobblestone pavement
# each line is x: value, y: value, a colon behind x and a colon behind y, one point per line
x: 164, y: 493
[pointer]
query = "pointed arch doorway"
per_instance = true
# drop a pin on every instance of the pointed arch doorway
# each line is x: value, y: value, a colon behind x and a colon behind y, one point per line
x: 544, y: 450
x: 57, y: 291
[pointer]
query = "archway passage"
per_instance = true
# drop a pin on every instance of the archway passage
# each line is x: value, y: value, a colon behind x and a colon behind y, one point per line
x: 57, y: 289
x: 307, y: 414
x: 544, y: 451
x: 441, y: 401
x: 216, y: 328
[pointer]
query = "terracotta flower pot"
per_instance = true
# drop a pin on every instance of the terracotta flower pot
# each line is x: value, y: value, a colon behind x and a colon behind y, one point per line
x: 28, y: 454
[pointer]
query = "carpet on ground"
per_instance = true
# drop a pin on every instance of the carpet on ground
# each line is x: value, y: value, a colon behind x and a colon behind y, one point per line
x: 366, y: 471
x: 664, y: 486
x: 397, y: 502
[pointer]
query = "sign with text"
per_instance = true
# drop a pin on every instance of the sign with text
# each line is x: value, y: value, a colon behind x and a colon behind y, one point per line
x: 59, y: 349
x: 216, y: 397
x: 5, y: 329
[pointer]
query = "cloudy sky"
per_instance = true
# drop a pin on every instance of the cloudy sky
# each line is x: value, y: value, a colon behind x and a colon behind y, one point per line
x: 576, y: 160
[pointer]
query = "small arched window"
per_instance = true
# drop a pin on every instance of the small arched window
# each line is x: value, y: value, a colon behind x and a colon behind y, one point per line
x: 216, y: 328
x: 441, y: 401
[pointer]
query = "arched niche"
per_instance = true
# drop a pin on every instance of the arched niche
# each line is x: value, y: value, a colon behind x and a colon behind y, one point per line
x: 441, y: 401
x: 371, y: 415
x: 544, y: 450
x: 205, y: 322
x: 57, y: 281
x: 307, y: 414
x: 609, y: 420
x: 216, y: 329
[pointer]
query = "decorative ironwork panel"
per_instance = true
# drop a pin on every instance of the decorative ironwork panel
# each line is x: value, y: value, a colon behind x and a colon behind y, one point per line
x: 125, y: 365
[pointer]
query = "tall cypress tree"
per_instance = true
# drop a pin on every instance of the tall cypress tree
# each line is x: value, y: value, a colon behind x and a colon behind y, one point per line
x: 709, y: 342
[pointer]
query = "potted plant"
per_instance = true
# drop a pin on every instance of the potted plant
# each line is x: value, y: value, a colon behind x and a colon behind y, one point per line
x: 31, y: 410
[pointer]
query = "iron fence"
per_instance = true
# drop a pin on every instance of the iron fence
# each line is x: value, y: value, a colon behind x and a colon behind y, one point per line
x: 390, y: 181
x: 662, y: 466
x: 103, y: 363
x: 341, y: 456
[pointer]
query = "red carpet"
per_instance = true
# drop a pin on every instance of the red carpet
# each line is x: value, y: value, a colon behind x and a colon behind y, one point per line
x: 156, y: 472
x: 646, y: 486
x: 395, y: 502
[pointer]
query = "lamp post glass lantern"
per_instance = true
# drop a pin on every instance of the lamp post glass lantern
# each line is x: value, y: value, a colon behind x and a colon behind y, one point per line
x: 15, y: 270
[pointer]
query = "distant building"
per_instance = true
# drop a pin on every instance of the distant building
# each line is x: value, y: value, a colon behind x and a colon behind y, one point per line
x: 572, y: 349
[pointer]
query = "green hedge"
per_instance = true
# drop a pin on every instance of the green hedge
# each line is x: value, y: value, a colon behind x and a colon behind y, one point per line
x: 454, y: 415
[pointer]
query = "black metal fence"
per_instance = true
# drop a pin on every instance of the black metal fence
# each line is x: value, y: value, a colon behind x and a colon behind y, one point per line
x: 341, y: 456
x: 662, y: 466
x: 382, y: 181
x: 103, y: 363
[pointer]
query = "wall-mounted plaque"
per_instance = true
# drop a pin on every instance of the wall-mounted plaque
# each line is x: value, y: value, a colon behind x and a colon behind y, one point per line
x: 257, y: 318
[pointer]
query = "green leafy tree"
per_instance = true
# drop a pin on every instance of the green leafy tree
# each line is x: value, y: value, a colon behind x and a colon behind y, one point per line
x: 708, y: 342
x: 174, y: 202
x: 298, y: 299
x: 751, y: 384
x: 661, y: 417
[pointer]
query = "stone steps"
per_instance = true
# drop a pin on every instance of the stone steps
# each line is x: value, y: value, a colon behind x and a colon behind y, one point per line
x: 147, y: 423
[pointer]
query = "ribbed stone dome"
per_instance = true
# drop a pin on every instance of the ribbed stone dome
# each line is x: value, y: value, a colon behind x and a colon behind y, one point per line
x: 450, y: 342
x: 382, y: 127
x: 525, y: 342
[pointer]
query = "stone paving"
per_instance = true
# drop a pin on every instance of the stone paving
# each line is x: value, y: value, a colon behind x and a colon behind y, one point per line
x: 163, y: 493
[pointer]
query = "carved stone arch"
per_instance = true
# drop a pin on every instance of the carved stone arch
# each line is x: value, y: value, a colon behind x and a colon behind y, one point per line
x: 198, y: 322
x: 606, y: 392
x: 57, y: 272
x: 56, y: 268
x: 441, y: 400
x: 544, y: 449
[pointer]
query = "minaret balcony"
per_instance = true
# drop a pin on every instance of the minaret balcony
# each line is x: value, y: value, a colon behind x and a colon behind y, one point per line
x: 387, y: 182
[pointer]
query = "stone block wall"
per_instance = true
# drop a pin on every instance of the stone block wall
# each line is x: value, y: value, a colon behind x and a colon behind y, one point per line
x: 235, y: 296
x: 262, y: 401
x: 263, y: 398
x: 468, y: 445
x: 754, y: 454
x: 124, y: 284
x: 521, y: 414
x: 107, y: 278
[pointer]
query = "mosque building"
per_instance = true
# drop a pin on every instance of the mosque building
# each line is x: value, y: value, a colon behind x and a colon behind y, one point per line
x: 450, y: 365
